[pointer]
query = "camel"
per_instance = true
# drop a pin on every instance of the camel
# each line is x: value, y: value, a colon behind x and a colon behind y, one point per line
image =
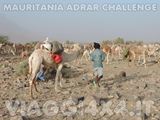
x: 1, y: 45
x: 88, y: 49
x: 42, y: 56
x: 137, y: 51
x: 18, y: 48
x: 76, y: 47
x: 152, y: 50
x: 107, y: 50
x: 7, y: 49
x: 24, y: 54
x: 116, y: 51
x: 86, y: 55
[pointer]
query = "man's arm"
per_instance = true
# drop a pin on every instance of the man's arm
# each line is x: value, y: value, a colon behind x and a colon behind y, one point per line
x: 103, y: 56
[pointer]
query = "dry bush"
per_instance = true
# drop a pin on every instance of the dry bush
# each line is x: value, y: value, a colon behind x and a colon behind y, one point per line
x: 22, y: 68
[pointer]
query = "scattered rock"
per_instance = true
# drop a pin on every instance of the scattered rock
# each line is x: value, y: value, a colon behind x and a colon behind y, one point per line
x: 66, y: 92
x: 17, y: 117
x: 155, y: 117
x: 122, y: 74
x: 145, y: 86
x: 85, y: 77
x: 145, y: 116
x: 111, y: 76
x: 26, y: 85
x: 131, y: 114
x: 100, y: 101
x: 137, y: 98
x: 117, y: 95
x: 139, y: 118
x: 77, y: 100
x: 2, y: 113
x: 88, y: 99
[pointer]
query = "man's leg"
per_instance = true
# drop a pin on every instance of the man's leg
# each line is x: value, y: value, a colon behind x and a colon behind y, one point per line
x: 100, y: 75
x: 95, y: 76
x: 98, y: 80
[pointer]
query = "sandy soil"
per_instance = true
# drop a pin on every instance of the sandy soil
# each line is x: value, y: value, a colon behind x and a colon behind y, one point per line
x: 139, y: 86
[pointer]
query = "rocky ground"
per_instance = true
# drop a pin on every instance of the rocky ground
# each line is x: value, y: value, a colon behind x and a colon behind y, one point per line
x: 134, y: 97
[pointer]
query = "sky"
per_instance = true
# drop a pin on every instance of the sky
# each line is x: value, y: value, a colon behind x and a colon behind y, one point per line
x: 80, y: 26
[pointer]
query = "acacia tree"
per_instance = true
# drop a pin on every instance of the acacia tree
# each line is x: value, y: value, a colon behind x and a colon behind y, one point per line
x: 119, y: 40
x: 69, y: 42
x: 3, y: 39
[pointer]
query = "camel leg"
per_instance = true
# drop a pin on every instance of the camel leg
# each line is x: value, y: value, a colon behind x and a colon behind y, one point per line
x: 32, y: 82
x: 134, y: 62
x: 57, y: 76
x: 61, y: 79
x: 134, y: 59
x: 139, y: 59
x: 119, y: 55
x: 34, y: 70
x: 31, y: 88
x: 128, y: 63
x: 129, y: 60
x: 13, y: 53
x: 30, y: 64
x: 81, y: 59
x: 87, y: 57
x: 35, y: 86
x: 107, y: 58
x: 32, y: 76
x: 144, y: 60
x: 77, y: 62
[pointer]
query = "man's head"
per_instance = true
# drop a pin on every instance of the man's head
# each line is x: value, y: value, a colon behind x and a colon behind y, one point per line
x: 96, y: 45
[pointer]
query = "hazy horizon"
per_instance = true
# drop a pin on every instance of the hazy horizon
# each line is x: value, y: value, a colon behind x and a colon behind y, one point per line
x: 80, y: 26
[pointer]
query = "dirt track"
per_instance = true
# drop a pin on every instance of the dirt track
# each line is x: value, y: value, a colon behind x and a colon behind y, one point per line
x: 141, y: 84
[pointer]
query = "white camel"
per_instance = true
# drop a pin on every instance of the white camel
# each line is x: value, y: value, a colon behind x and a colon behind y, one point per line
x: 86, y: 55
x: 39, y: 57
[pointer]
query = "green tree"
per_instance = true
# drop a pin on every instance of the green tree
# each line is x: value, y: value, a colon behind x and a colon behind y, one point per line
x: 4, y: 39
x: 69, y: 42
x: 119, y: 40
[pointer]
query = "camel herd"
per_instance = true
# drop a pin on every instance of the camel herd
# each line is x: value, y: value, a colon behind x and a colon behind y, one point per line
x: 16, y: 49
x: 138, y: 54
x: 113, y: 51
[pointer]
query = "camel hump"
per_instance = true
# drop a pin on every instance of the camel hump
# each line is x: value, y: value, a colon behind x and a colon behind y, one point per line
x: 57, y: 47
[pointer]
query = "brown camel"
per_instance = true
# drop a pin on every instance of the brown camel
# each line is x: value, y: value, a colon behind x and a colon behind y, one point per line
x: 137, y: 52
x: 107, y: 50
x: 39, y: 57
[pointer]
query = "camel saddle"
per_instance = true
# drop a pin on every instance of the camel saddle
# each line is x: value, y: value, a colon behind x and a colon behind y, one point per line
x: 56, y: 53
x: 57, y: 58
